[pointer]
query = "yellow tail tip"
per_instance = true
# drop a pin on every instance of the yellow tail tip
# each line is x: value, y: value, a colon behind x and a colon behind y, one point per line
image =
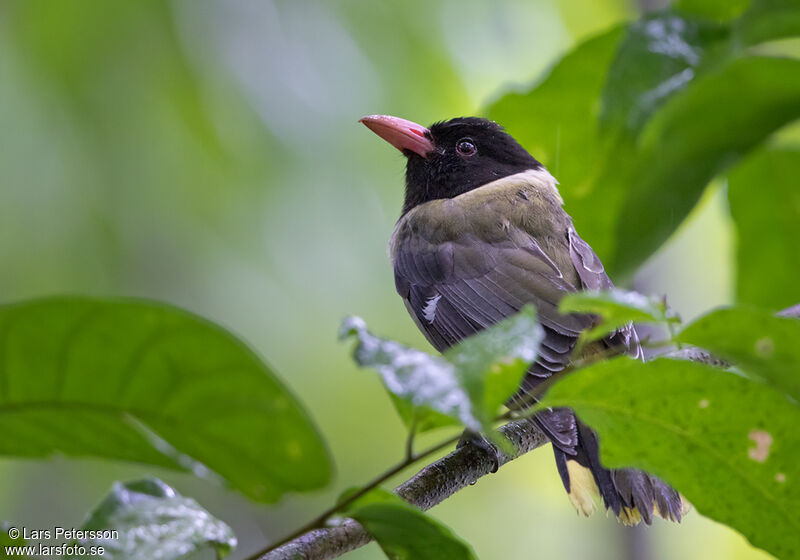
x: 632, y: 516
x: 584, y: 495
x: 582, y: 488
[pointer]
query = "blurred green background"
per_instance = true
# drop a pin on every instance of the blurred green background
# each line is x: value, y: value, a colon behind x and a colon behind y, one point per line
x: 206, y: 153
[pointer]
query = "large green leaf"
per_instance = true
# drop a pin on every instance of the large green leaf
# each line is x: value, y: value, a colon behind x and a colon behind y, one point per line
x: 404, y: 532
x: 659, y: 56
x: 617, y: 308
x: 557, y: 119
x: 151, y: 521
x: 469, y: 382
x: 697, y: 134
x: 764, y: 195
x: 729, y: 444
x: 583, y: 119
x: 145, y: 382
x: 754, y: 339
x: 637, y: 121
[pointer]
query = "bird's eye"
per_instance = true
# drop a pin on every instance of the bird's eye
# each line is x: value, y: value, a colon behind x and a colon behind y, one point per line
x: 466, y: 147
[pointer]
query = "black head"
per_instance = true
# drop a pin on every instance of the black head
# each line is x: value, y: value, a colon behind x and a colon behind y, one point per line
x: 452, y: 157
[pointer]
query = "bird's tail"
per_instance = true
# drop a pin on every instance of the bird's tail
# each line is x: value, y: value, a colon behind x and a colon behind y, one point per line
x: 632, y: 495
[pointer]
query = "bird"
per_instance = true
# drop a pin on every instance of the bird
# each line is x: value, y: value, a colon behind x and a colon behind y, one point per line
x: 482, y: 233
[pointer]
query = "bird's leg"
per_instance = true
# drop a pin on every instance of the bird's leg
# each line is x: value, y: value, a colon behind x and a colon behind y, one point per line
x: 478, y: 441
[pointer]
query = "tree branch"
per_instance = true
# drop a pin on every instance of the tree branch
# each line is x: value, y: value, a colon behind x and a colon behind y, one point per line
x: 445, y: 477
x: 427, y: 488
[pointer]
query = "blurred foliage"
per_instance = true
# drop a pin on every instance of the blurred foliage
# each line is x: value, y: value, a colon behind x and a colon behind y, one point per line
x: 154, y: 522
x: 767, y: 20
x: 143, y: 382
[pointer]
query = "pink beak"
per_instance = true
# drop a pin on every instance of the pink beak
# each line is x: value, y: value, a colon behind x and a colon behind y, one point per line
x: 400, y: 133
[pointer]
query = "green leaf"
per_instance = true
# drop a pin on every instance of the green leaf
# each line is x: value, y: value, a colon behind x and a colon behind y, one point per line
x: 420, y: 418
x: 375, y: 495
x: 583, y: 119
x: 720, y: 10
x: 765, y: 206
x: 696, y: 135
x: 153, y: 522
x: 659, y: 56
x: 469, y: 382
x: 404, y: 532
x: 768, y: 20
x: 754, y: 339
x: 556, y: 120
x: 144, y: 382
x: 617, y: 308
x: 637, y: 121
x: 729, y: 444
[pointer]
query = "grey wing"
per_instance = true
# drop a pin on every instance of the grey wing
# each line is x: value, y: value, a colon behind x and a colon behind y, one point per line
x: 593, y: 277
x: 457, y: 288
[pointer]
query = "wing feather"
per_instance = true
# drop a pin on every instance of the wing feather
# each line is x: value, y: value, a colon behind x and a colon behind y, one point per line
x: 457, y: 282
x: 475, y: 283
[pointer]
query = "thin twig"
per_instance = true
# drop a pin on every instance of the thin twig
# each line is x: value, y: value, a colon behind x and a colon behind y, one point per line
x: 433, y: 484
x: 320, y: 520
x: 412, y: 433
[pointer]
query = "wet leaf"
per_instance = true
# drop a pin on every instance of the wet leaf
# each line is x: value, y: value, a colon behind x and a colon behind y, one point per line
x: 727, y: 443
x: 145, y: 382
x: 754, y: 339
x: 154, y: 522
x: 658, y: 57
x: 617, y: 308
x: 469, y: 382
x: 692, y: 139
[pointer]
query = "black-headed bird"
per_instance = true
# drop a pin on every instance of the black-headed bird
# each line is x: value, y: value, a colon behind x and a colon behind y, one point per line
x: 482, y: 233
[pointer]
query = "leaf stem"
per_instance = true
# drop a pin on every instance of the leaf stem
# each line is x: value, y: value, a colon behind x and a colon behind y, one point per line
x: 412, y: 432
x: 320, y: 520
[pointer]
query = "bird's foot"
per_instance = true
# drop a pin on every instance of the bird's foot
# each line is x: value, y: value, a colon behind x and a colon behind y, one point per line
x: 478, y: 441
